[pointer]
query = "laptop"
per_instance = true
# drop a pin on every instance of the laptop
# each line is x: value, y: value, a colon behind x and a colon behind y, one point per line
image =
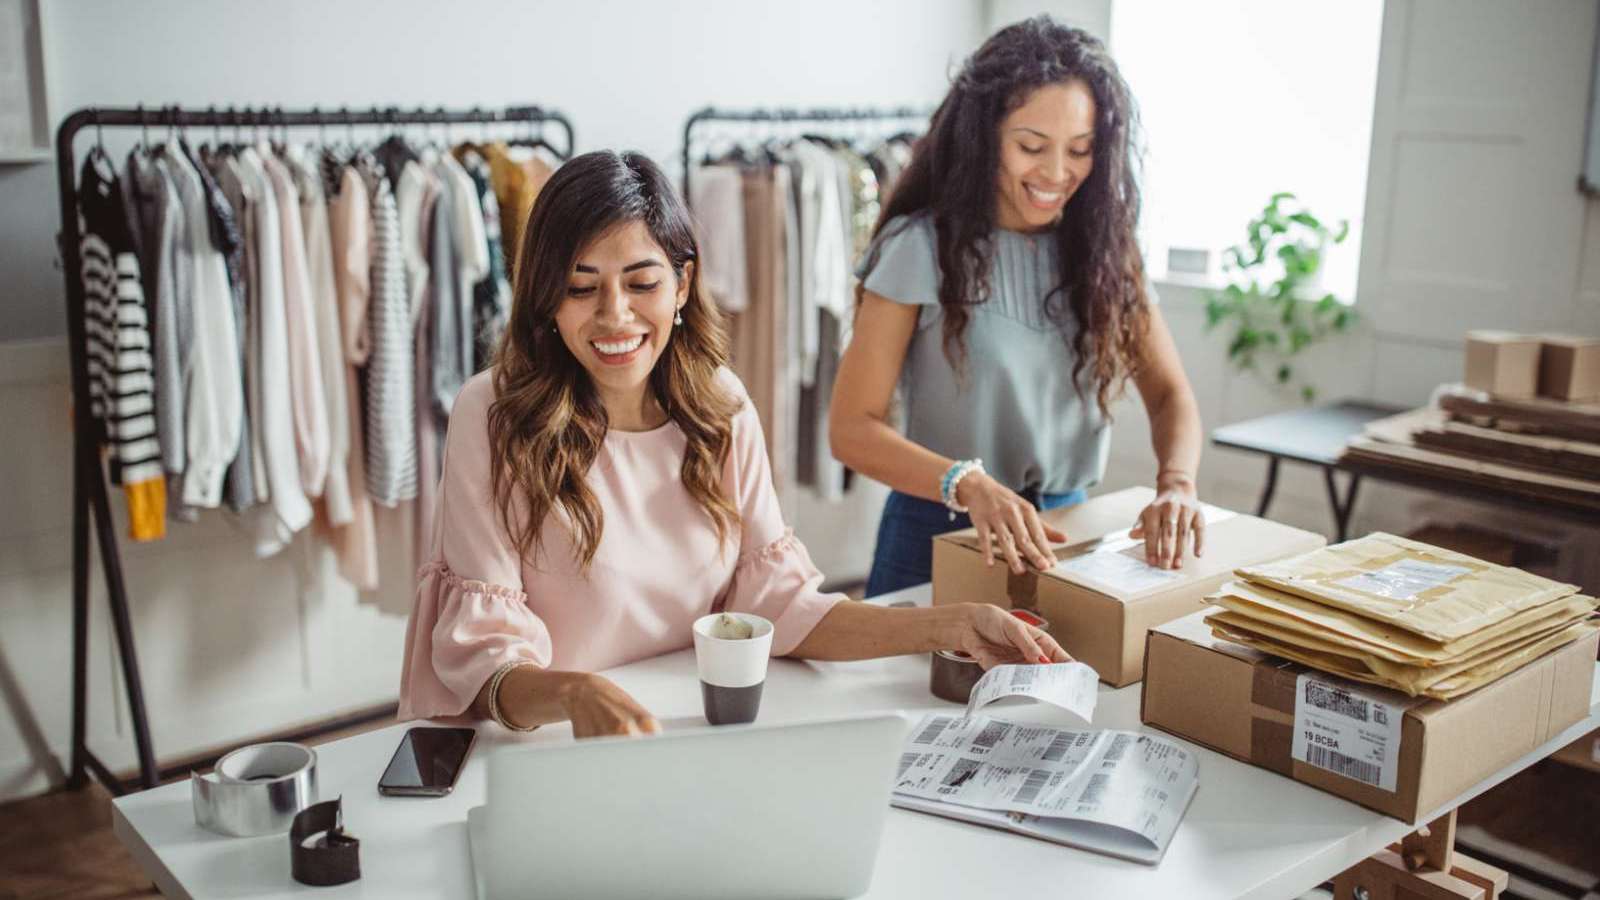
x: 757, y: 812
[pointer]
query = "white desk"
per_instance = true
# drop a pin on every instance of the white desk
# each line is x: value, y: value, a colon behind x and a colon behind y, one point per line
x: 1249, y: 833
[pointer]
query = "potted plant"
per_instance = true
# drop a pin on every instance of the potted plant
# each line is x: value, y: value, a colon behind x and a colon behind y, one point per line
x: 1274, y: 302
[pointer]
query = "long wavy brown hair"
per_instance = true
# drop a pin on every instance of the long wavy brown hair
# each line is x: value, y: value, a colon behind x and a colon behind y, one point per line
x: 547, y: 422
x: 952, y: 178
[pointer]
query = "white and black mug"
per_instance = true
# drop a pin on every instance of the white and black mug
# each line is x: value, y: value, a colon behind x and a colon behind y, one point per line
x: 732, y: 669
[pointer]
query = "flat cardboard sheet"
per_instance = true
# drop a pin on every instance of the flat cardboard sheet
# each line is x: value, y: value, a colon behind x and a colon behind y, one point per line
x: 1429, y: 591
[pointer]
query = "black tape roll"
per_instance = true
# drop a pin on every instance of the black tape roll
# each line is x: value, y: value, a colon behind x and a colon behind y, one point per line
x: 331, y: 857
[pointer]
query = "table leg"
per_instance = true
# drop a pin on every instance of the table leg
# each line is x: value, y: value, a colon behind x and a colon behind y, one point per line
x: 1272, y: 485
x: 1342, y: 506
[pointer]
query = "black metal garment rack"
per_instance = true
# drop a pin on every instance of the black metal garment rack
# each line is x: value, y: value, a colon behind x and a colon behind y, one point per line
x: 90, y: 496
x: 708, y: 115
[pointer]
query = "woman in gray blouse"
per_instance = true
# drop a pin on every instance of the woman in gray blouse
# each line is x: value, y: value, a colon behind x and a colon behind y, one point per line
x: 1005, y: 294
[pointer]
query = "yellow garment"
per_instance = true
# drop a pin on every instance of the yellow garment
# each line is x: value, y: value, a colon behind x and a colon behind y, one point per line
x: 147, y: 509
x: 516, y: 182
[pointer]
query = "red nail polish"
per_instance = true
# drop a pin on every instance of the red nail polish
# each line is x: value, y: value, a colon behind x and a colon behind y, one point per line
x: 1044, y: 660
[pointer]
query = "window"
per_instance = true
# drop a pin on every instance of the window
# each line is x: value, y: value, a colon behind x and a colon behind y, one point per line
x: 1241, y: 99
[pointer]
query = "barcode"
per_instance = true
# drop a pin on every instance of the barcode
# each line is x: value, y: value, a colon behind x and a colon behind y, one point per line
x: 1097, y: 786
x: 932, y: 732
x: 1037, y: 779
x: 1336, y: 700
x: 907, y: 760
x: 991, y: 735
x: 1023, y: 675
x: 1119, y: 748
x: 1337, y: 762
x: 959, y: 774
x: 1058, y: 747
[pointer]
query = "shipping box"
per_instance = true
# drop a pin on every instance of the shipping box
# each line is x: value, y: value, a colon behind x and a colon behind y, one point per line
x: 1503, y: 364
x: 1569, y: 368
x: 1101, y: 597
x: 1402, y: 756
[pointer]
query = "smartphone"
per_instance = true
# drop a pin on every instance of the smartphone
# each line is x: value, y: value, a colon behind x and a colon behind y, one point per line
x: 427, y: 762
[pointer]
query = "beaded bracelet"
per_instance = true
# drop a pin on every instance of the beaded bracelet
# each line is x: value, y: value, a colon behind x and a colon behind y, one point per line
x: 494, y: 695
x: 952, y: 480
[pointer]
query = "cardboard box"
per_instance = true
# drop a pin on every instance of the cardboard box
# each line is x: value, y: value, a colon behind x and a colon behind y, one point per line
x: 1103, y: 622
x: 1242, y: 703
x: 1569, y: 368
x: 1503, y: 364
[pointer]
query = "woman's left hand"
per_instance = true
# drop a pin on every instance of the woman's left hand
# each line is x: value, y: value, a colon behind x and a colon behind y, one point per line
x: 995, y: 637
x: 1170, y: 523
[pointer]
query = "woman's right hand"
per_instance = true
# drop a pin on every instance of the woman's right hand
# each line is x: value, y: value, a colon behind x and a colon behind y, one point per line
x: 598, y: 708
x: 1003, y: 517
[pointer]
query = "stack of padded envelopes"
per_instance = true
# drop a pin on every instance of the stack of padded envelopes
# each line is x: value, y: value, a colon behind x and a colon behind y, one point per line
x: 1402, y: 614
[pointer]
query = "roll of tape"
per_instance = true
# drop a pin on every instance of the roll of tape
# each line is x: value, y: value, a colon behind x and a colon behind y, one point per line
x: 255, y: 790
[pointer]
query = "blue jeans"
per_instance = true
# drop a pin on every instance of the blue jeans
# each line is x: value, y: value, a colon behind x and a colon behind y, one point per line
x: 904, y: 555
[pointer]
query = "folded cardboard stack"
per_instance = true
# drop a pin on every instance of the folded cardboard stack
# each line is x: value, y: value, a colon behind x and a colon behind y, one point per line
x: 1402, y: 614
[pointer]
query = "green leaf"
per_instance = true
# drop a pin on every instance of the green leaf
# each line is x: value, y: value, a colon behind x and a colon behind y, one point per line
x: 1307, y: 219
x: 1284, y: 373
x: 1344, y: 231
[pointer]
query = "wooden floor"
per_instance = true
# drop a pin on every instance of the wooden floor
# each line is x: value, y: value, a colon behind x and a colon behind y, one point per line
x: 60, y: 845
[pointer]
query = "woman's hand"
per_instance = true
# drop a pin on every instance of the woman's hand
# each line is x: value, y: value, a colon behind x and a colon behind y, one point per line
x: 994, y: 637
x: 1170, y: 522
x: 1003, y: 517
x: 598, y: 708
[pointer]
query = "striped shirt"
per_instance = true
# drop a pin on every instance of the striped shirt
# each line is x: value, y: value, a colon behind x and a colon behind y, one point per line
x: 121, y: 369
x: 391, y: 427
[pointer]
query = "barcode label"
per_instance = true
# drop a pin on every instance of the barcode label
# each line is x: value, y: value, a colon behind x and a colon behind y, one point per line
x: 1097, y: 787
x: 1324, y: 696
x: 932, y: 732
x: 1058, y: 747
x: 959, y: 774
x: 1023, y: 675
x: 1334, y: 761
x: 907, y: 760
x: 1037, y: 779
x: 992, y: 734
x: 1350, y: 731
x: 1119, y: 747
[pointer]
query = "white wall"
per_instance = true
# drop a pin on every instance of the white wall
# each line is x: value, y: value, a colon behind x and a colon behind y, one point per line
x: 232, y: 646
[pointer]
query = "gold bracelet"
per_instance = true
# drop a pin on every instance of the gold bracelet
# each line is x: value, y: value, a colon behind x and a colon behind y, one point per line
x: 494, y: 695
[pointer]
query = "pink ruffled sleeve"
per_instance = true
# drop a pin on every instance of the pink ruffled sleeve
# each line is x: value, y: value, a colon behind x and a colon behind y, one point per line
x: 471, y: 615
x: 774, y: 577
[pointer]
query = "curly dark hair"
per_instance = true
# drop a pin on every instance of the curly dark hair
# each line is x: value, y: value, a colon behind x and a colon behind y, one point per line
x: 952, y: 177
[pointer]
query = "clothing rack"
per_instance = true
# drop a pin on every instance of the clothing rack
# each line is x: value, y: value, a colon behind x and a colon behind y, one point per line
x: 707, y: 115
x: 90, y: 495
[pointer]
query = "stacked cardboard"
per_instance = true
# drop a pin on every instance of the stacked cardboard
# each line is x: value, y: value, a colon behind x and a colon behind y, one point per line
x: 1526, y: 423
x: 1401, y: 614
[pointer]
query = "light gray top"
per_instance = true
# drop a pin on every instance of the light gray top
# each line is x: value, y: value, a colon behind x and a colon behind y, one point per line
x: 1015, y: 406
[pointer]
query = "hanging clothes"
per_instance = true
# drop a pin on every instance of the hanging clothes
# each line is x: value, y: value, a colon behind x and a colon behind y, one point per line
x: 517, y: 182
x: 228, y: 236
x: 305, y: 366
x: 289, y: 511
x: 453, y: 332
x: 761, y: 333
x: 491, y: 296
x: 161, y: 221
x: 215, y: 389
x: 717, y: 198
x: 121, y: 373
x: 355, y: 544
x: 391, y: 368
x: 330, y: 347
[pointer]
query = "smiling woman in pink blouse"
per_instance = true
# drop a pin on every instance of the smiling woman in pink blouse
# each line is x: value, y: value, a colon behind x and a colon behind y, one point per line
x: 606, y: 483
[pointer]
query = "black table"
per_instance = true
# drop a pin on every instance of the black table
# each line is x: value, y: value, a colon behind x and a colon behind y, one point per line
x: 1315, y: 435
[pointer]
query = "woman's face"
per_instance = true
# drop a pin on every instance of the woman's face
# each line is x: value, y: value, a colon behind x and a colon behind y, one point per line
x: 620, y: 301
x: 1046, y: 154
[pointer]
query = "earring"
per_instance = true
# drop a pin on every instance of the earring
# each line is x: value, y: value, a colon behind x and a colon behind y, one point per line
x: 678, y: 319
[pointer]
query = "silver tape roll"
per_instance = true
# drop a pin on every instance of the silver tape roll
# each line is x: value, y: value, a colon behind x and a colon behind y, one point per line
x: 256, y: 789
